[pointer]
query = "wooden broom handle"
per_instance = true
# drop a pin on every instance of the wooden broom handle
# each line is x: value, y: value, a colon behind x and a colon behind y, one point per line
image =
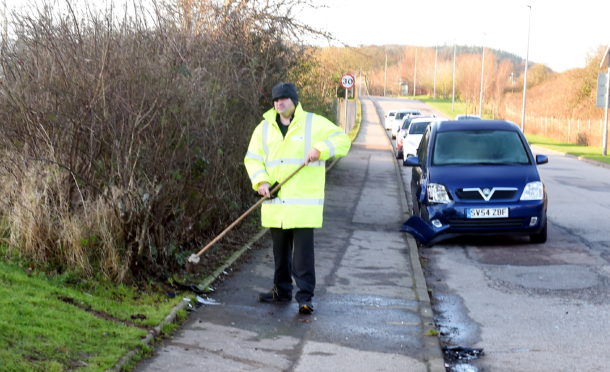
x: 238, y: 220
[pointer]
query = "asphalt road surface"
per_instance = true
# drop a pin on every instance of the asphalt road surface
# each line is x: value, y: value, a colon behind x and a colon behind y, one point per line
x: 531, y: 307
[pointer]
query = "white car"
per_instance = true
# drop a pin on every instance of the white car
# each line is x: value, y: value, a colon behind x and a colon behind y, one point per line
x: 402, y: 132
x: 389, y: 119
x: 416, y: 131
x: 400, y: 116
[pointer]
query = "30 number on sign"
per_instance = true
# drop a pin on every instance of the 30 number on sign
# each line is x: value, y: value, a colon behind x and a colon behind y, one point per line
x: 347, y: 81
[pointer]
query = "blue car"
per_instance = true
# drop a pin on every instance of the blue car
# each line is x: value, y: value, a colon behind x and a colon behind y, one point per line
x: 478, y: 178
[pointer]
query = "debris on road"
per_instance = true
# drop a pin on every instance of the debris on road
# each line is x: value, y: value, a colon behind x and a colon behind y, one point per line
x: 462, y: 353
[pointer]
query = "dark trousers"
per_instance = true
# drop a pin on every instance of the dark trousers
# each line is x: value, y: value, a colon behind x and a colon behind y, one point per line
x: 294, y: 258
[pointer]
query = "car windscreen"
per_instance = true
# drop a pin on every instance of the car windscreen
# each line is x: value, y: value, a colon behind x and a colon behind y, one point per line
x: 479, y: 147
x: 418, y: 128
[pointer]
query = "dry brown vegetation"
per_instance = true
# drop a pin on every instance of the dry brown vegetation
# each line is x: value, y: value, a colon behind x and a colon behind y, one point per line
x: 124, y: 129
x: 562, y: 106
x: 559, y: 105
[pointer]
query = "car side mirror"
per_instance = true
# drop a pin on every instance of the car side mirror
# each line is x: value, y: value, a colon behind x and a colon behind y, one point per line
x: 412, y: 161
x: 542, y: 159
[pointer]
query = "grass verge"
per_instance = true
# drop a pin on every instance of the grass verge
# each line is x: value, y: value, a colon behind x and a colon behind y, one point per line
x: 444, y: 106
x: 58, y: 323
x: 586, y: 152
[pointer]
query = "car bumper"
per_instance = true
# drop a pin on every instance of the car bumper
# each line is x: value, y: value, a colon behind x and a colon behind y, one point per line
x: 524, y: 218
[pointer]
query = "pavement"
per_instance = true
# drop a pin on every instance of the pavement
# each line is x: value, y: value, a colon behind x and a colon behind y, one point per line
x: 372, y: 309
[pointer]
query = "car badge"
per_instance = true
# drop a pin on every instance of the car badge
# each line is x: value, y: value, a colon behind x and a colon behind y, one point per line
x: 486, y: 191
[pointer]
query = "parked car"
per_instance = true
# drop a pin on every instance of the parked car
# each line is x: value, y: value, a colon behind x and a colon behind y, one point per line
x: 414, y: 134
x: 467, y: 117
x: 399, y: 117
x: 478, y: 178
x: 389, y: 119
x: 403, y: 132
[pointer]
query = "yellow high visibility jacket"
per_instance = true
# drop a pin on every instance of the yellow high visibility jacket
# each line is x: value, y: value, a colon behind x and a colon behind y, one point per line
x: 271, y: 158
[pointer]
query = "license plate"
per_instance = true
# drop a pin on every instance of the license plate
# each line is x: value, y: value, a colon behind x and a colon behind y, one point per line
x: 487, y: 213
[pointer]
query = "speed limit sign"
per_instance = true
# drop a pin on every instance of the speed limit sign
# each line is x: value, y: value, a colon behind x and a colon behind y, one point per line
x: 348, y: 81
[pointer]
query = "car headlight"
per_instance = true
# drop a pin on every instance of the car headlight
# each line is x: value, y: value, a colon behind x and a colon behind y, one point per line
x: 533, y: 191
x: 437, y: 193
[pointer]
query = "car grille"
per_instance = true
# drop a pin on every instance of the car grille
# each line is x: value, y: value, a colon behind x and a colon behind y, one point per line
x: 476, y: 195
x: 459, y: 223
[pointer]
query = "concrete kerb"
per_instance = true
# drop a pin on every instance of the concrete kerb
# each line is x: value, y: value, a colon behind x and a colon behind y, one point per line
x: 434, y: 356
x: 171, y: 317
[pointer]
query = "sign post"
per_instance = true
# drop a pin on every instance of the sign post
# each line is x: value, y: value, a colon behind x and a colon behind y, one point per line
x: 347, y: 82
x: 606, y: 58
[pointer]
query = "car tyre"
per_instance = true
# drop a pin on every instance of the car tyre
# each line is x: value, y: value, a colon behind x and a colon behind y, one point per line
x: 540, y: 237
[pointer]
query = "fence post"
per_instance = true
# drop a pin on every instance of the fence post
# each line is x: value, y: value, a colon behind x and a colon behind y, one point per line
x: 546, y: 120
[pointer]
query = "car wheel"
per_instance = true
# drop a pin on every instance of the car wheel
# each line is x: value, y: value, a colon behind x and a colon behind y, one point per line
x: 540, y: 237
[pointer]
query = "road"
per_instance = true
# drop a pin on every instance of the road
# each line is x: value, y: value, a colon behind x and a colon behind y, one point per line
x: 531, y: 307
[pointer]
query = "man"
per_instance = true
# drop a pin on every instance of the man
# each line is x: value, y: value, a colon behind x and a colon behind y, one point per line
x: 286, y: 138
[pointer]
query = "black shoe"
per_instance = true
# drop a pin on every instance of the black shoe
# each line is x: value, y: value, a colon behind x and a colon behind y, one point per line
x: 273, y: 296
x: 305, y: 308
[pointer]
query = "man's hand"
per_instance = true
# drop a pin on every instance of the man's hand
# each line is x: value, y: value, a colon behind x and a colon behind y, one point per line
x: 312, y: 155
x: 263, y: 189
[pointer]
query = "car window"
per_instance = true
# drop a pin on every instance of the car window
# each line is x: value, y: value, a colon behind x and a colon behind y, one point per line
x: 422, y: 150
x: 479, y: 147
x: 391, y: 114
x: 418, y: 128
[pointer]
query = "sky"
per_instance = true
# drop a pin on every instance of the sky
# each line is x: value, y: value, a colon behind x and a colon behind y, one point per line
x: 562, y: 33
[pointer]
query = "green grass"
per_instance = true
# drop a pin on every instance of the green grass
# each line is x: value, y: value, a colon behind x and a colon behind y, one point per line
x: 56, y: 323
x: 587, y: 152
x: 444, y: 106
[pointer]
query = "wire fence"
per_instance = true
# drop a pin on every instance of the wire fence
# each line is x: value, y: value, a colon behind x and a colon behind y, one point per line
x: 582, y: 131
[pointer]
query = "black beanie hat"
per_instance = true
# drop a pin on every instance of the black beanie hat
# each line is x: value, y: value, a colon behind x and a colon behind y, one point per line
x: 285, y: 90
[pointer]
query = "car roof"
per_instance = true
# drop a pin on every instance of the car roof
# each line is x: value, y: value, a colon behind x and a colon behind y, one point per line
x: 419, y: 119
x: 463, y: 125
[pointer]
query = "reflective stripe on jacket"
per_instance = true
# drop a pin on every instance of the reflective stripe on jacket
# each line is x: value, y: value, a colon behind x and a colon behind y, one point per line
x: 271, y: 158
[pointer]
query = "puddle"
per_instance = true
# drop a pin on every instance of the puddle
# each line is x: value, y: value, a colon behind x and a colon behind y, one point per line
x: 455, y: 327
x: 457, y: 331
